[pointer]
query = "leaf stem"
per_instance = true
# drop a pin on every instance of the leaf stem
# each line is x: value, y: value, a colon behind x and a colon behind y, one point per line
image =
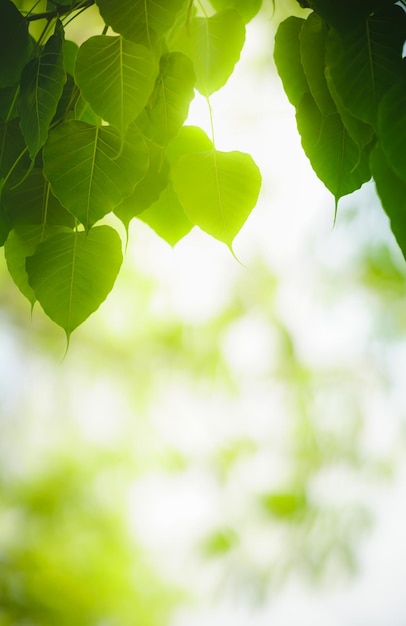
x: 60, y: 10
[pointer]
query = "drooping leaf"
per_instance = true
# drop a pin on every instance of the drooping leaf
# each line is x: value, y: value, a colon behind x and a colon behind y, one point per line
x: 8, y: 103
x: 140, y: 21
x: 167, y: 217
x: 70, y: 51
x: 214, y: 44
x: 169, y: 104
x: 392, y: 127
x: 189, y: 139
x: 14, y: 160
x: 90, y: 171
x: 22, y: 243
x: 32, y: 202
x: 217, y: 190
x: 246, y: 8
x: 365, y: 60
x: 334, y: 156
x: 148, y: 189
x: 41, y: 87
x: 72, y: 273
x: 116, y: 77
x: 14, y: 43
x: 392, y: 193
x: 288, y: 59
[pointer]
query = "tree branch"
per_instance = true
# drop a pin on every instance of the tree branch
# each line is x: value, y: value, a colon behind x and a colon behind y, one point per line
x: 59, y: 10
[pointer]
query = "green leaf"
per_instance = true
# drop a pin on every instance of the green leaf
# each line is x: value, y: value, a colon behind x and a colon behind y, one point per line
x: 334, y: 156
x: 288, y: 60
x: 15, y: 43
x: 392, y: 127
x: 72, y: 273
x: 148, y: 189
x: 285, y: 505
x: 89, y: 169
x: 22, y: 243
x: 31, y: 202
x: 214, y: 44
x: 392, y: 193
x: 8, y: 103
x: 365, y: 60
x: 167, y: 217
x: 189, y: 139
x: 345, y: 13
x: 168, y: 106
x: 140, y: 21
x: 116, y: 77
x: 41, y: 87
x: 70, y: 51
x: 218, y: 190
x: 14, y: 160
x: 246, y: 8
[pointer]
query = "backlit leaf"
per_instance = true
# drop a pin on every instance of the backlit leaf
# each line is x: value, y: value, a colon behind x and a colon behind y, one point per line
x: 89, y: 171
x: 214, y: 44
x: 72, y: 273
x: 14, y: 43
x: 41, y: 87
x: 167, y: 217
x: 116, y: 77
x: 288, y: 59
x: 217, y: 190
x: 246, y: 8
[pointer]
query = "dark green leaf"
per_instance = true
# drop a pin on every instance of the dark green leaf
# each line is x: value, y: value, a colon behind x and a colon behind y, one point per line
x: 392, y: 127
x: 41, y: 87
x: 8, y: 103
x: 72, y: 273
x: 214, y: 44
x: 116, y: 77
x: 14, y: 43
x: 90, y: 170
x: 288, y: 59
x: 14, y: 160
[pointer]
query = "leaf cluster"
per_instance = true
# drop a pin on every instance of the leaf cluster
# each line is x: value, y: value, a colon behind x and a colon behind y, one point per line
x: 342, y: 68
x: 98, y: 129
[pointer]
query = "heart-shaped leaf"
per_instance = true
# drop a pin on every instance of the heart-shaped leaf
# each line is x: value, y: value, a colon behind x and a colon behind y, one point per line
x: 116, y: 76
x: 89, y: 169
x: 287, y: 55
x: 141, y: 21
x: 214, y: 44
x: 41, y: 87
x: 217, y: 190
x: 72, y: 273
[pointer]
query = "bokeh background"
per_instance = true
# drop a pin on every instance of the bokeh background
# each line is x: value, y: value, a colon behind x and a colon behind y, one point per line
x: 223, y: 444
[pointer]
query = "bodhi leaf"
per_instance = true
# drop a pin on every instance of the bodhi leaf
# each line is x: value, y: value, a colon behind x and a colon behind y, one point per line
x: 392, y: 193
x: 8, y: 102
x: 116, y: 77
x: 41, y: 87
x: 14, y: 160
x: 333, y: 155
x: 168, y: 106
x: 217, y: 190
x: 288, y: 59
x: 140, y: 21
x: 392, y: 127
x: 167, y: 217
x: 90, y: 171
x: 246, y: 8
x: 214, y: 44
x: 363, y: 61
x: 72, y: 273
x: 14, y: 43
x: 189, y: 139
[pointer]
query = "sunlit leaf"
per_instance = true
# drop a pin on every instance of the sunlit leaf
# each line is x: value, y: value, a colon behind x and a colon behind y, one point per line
x: 214, y: 44
x: 141, y: 21
x: 189, y: 139
x: 72, y: 273
x: 364, y: 61
x: 218, y: 190
x: 167, y: 217
x: 169, y: 104
x: 246, y: 8
x: 41, y: 87
x: 89, y: 171
x: 14, y: 43
x: 116, y: 77
x: 288, y: 59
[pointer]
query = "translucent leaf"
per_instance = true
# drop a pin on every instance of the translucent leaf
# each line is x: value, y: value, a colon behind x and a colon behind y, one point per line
x: 392, y: 127
x: 392, y: 193
x: 167, y: 217
x: 168, y: 106
x: 90, y: 171
x: 334, y: 156
x: 41, y: 87
x: 116, y: 77
x: 14, y: 43
x: 214, y: 44
x: 218, y: 190
x: 140, y: 21
x: 31, y: 202
x: 288, y: 59
x: 365, y: 60
x: 189, y: 139
x: 72, y: 273
x: 246, y: 8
